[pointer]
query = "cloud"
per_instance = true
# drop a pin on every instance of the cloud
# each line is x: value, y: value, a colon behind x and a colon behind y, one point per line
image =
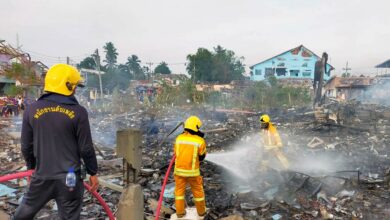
x: 354, y: 31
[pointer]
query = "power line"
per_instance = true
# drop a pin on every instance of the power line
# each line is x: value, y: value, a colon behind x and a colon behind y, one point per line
x: 52, y: 56
x: 41, y: 54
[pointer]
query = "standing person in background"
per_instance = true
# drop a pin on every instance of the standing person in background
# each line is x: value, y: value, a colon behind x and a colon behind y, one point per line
x: 14, y: 106
x: 20, y: 103
x: 22, y: 107
x: 55, y: 137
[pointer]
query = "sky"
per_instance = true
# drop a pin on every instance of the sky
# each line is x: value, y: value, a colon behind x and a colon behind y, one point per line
x: 168, y: 30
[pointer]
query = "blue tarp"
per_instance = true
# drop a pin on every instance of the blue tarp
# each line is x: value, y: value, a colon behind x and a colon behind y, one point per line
x: 7, y: 191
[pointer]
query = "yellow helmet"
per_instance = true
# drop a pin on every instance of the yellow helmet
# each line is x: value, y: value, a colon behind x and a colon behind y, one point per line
x: 193, y: 123
x: 265, y: 119
x: 62, y: 79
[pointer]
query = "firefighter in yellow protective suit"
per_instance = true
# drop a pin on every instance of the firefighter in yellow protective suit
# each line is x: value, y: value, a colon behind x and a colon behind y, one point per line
x: 189, y: 149
x: 272, y: 143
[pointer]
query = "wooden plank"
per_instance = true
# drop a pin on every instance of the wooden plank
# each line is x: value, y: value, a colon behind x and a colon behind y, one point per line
x: 105, y: 183
x: 109, y: 185
x: 111, y: 176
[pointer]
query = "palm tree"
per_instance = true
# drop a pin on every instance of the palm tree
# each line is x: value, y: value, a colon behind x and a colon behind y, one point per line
x: 134, y: 66
x: 111, y: 54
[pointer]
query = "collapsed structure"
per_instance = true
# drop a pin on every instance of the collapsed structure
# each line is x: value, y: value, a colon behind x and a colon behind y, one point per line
x: 349, y: 161
x: 338, y: 158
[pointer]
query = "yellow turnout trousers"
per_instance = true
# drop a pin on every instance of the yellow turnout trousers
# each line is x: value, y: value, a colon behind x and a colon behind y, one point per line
x: 196, y: 184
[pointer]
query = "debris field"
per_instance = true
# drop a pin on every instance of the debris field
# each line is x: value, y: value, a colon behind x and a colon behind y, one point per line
x: 340, y: 168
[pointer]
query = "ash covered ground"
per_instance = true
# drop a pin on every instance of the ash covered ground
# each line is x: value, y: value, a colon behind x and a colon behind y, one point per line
x: 338, y: 171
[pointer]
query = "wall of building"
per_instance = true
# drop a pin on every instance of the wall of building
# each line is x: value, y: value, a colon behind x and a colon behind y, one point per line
x: 292, y: 64
x: 350, y: 93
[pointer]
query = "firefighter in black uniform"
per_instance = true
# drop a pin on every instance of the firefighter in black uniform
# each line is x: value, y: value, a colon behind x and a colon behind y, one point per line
x: 55, y: 137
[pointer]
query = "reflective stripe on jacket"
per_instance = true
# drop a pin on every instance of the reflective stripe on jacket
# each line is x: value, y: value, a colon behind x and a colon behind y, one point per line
x: 271, y: 137
x: 187, y: 149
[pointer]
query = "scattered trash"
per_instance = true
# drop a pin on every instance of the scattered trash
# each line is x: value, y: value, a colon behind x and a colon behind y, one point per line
x: 315, y: 142
x: 169, y: 192
x: 277, y: 217
x: 326, y: 194
x: 7, y: 191
x: 345, y: 193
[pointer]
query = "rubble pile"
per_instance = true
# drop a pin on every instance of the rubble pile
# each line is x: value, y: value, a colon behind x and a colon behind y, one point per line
x: 350, y: 180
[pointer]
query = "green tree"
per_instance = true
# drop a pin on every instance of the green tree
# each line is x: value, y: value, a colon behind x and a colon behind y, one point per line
x: 12, y: 90
x: 87, y: 63
x: 92, y: 80
x: 221, y: 65
x: 200, y: 65
x: 111, y: 54
x: 162, y: 68
x: 21, y: 72
x: 180, y: 95
x: 226, y: 66
x: 125, y: 69
x: 135, y: 70
x: 116, y: 78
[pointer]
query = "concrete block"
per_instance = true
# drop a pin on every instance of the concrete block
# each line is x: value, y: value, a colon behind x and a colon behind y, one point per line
x: 131, y: 204
x: 4, y: 216
x: 129, y: 146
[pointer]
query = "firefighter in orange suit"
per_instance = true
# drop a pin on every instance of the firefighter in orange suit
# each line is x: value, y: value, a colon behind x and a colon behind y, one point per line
x: 271, y: 142
x: 189, y: 149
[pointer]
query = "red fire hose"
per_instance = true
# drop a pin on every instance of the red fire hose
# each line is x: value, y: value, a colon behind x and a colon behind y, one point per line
x: 163, y: 187
x: 28, y: 173
x: 101, y: 201
x: 13, y: 176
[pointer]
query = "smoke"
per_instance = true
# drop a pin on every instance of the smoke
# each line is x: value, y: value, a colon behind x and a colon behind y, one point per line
x: 377, y: 94
x: 245, y: 158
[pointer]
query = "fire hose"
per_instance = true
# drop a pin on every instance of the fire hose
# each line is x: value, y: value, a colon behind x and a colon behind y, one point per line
x: 167, y: 173
x: 28, y: 174
x: 163, y: 188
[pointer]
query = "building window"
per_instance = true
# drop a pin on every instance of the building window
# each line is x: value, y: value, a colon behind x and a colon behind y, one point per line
x: 281, y: 64
x: 304, y: 65
x: 281, y: 71
x: 257, y: 72
x: 294, y: 73
x: 269, y: 72
x: 306, y: 74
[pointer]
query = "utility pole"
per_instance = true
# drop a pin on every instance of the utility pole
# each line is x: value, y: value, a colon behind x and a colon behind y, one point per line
x: 194, y: 70
x: 346, y: 69
x: 67, y: 60
x: 96, y: 57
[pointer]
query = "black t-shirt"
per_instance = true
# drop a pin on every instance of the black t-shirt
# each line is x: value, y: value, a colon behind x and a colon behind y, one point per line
x: 56, y: 135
